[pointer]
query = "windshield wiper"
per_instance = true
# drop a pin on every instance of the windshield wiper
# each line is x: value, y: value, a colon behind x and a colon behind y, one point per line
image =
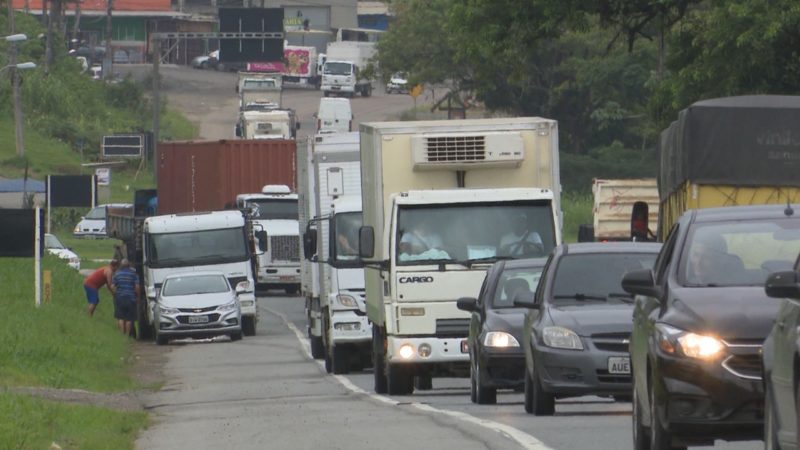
x: 581, y: 297
x: 622, y: 296
x: 487, y: 259
x: 435, y: 261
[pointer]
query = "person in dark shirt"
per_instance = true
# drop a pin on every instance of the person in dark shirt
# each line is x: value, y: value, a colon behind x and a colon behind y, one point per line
x: 126, y: 288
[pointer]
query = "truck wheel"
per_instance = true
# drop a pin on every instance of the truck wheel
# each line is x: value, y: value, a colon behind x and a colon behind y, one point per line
x: 367, y: 91
x: 292, y: 290
x: 249, y: 325
x: 317, y: 348
x: 145, y: 332
x: 378, y: 363
x: 400, y: 381
x: 326, y: 93
x: 340, y: 360
x: 423, y: 382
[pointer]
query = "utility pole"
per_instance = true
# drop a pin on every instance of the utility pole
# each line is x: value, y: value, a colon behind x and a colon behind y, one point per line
x: 107, y: 58
x: 12, y: 60
x: 48, y: 44
x: 156, y: 103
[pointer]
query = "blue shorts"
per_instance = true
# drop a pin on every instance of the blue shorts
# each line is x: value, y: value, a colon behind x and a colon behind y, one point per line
x: 92, y: 295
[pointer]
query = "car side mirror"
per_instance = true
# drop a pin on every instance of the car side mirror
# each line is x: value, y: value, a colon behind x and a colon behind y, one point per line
x: 366, y: 242
x: 641, y: 282
x: 263, y: 240
x: 467, y: 304
x: 783, y: 285
x: 526, y: 299
x: 309, y: 243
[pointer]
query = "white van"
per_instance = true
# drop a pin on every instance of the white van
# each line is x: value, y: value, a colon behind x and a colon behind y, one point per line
x: 334, y: 115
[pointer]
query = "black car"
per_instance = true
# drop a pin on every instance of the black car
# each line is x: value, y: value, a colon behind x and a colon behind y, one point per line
x: 700, y: 318
x: 782, y: 363
x: 495, y: 330
x: 576, y: 332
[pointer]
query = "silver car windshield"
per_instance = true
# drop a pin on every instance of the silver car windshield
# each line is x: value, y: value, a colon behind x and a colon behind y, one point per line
x: 465, y: 233
x: 194, y: 284
x: 741, y: 253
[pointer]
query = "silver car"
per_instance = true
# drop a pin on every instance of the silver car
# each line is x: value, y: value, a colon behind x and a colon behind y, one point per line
x: 198, y: 305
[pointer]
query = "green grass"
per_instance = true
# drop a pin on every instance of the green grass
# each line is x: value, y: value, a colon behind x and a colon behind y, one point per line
x: 58, y: 345
x: 32, y: 423
x: 93, y: 252
x: 577, y: 210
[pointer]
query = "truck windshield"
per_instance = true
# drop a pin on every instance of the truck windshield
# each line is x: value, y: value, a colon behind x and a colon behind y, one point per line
x: 337, y: 68
x: 346, y: 226
x: 272, y: 209
x: 475, y: 232
x: 196, y: 248
x: 267, y: 84
x: 738, y: 253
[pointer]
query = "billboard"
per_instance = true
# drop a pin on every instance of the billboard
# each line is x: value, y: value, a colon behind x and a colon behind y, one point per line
x: 250, y: 20
x: 123, y: 145
x: 17, y: 232
x: 76, y: 191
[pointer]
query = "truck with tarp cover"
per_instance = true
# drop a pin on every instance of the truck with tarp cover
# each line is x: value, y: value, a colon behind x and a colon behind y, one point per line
x: 730, y: 151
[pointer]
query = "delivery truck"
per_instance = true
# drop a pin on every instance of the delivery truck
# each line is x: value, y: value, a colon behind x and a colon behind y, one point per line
x: 729, y: 151
x: 300, y: 66
x: 442, y: 201
x: 333, y: 274
x: 624, y: 209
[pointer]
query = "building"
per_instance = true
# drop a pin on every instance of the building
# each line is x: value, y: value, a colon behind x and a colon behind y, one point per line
x: 373, y: 15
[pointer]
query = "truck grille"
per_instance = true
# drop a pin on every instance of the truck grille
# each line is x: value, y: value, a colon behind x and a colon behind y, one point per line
x: 452, y: 327
x: 455, y: 148
x: 285, y: 248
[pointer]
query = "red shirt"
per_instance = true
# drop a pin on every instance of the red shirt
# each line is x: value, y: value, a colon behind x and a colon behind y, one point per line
x: 97, y: 279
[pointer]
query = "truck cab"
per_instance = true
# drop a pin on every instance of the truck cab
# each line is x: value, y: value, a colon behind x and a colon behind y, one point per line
x: 341, y: 77
x: 274, y: 211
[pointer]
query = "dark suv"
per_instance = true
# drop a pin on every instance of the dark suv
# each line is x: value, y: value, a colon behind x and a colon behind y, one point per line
x: 699, y: 321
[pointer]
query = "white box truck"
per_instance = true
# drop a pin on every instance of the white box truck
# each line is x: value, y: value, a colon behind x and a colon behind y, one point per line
x: 442, y: 201
x: 333, y: 274
x: 274, y: 211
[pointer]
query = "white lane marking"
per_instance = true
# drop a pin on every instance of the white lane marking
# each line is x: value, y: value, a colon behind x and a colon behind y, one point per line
x: 524, y: 439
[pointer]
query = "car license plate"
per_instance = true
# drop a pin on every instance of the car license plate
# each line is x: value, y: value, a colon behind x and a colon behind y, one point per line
x: 198, y: 319
x: 619, y: 364
x: 464, y: 346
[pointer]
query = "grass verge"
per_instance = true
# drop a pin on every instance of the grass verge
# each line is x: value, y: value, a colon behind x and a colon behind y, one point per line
x: 27, y: 422
x: 58, y: 345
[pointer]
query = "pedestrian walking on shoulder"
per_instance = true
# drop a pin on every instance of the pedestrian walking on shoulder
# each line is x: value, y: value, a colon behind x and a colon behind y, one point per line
x: 97, y: 279
x: 126, y: 287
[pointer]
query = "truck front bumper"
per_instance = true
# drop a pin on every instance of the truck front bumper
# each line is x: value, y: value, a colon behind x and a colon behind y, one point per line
x: 339, y: 88
x: 348, y: 327
x: 247, y: 303
x: 438, y: 350
x: 279, y: 275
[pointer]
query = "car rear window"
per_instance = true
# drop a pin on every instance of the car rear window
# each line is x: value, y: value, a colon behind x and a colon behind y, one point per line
x: 740, y: 253
x: 596, y: 274
x: 195, y: 284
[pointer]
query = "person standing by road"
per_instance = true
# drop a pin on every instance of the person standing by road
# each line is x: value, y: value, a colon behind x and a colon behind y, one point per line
x: 126, y: 288
x: 96, y: 280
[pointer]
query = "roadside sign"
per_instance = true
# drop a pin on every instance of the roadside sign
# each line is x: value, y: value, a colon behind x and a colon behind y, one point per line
x: 416, y: 91
x: 123, y: 145
x: 103, y: 175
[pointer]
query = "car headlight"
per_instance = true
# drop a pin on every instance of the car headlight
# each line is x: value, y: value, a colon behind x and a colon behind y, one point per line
x: 673, y: 341
x: 74, y: 260
x: 227, y: 307
x: 560, y: 337
x: 500, y: 339
x: 167, y: 310
x: 347, y: 301
x: 77, y: 229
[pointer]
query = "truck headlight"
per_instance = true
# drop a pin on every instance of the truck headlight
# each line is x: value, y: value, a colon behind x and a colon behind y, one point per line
x: 499, y: 339
x: 243, y: 286
x: 347, y: 300
x: 560, y: 337
x: 671, y: 340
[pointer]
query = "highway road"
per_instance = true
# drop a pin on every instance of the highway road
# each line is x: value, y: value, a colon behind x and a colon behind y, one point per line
x: 266, y: 392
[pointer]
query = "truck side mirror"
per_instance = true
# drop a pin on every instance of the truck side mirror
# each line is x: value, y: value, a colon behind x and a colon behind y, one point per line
x: 783, y: 285
x: 263, y: 240
x: 238, y: 130
x: 309, y: 243
x: 366, y: 242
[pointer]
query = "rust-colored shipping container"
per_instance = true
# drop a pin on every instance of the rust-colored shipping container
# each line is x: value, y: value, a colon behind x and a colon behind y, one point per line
x: 206, y: 176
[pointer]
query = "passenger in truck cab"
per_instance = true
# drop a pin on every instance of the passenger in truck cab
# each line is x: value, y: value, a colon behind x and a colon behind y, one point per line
x: 521, y: 240
x: 420, y: 238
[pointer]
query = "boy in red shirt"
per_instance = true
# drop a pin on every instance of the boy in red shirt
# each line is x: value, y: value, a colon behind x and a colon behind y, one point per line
x: 96, y: 280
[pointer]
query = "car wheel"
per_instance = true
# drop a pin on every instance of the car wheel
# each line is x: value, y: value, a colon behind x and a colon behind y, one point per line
x: 236, y: 336
x: 483, y: 395
x: 770, y: 431
x: 641, y: 436
x: 473, y: 385
x: 537, y: 401
x: 378, y: 363
x: 399, y: 380
x: 317, y: 347
x: 340, y: 360
x: 204, y: 65
x: 660, y: 439
x: 249, y: 325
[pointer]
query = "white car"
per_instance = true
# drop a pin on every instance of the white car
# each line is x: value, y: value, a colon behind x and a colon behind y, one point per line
x: 198, y: 305
x: 397, y: 83
x: 93, y: 224
x: 55, y: 247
